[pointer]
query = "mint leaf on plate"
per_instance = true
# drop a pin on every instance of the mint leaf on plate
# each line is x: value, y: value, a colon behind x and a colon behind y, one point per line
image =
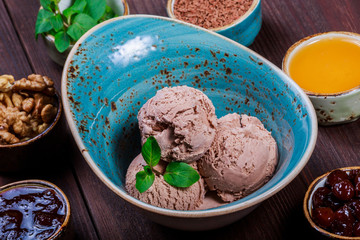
x: 144, y: 179
x: 81, y: 24
x: 151, y: 151
x: 62, y: 41
x: 43, y: 22
x: 180, y: 174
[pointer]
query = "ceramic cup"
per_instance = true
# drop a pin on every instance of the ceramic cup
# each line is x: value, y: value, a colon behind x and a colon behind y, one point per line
x: 62, y: 232
x: 335, y: 108
x: 307, y: 204
x: 243, y: 30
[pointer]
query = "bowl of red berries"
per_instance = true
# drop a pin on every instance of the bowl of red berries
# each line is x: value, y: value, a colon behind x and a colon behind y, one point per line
x: 332, y: 203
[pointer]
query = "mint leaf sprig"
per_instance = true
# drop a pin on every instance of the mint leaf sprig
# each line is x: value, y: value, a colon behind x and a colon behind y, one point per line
x: 177, y: 174
x: 68, y: 26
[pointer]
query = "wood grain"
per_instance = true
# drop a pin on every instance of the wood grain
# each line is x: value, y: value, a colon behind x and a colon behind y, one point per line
x: 27, y: 58
x: 99, y: 213
x: 12, y: 58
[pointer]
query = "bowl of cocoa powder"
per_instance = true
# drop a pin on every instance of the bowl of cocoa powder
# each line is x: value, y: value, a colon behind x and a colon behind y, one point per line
x: 30, y: 108
x: 239, y: 20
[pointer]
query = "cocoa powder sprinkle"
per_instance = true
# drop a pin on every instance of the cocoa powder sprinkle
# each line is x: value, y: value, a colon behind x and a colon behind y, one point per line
x: 210, y: 13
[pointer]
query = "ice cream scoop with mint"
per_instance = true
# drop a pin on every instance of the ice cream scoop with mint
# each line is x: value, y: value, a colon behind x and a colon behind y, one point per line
x: 231, y: 156
x: 162, y: 194
x: 183, y: 121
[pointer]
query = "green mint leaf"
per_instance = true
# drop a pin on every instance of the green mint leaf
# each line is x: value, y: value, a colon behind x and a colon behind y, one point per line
x: 62, y: 41
x: 77, y: 7
x: 68, y: 13
x: 180, y: 174
x: 81, y: 24
x: 46, y: 4
x: 148, y: 170
x: 52, y: 32
x: 43, y: 22
x: 144, y: 179
x: 54, y: 6
x: 56, y: 22
x: 109, y: 13
x: 95, y: 8
x: 151, y: 151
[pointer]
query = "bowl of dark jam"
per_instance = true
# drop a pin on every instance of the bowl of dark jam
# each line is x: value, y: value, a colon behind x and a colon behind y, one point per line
x: 332, y: 203
x: 33, y: 210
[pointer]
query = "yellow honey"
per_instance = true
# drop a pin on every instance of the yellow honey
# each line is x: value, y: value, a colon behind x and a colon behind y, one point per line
x: 329, y: 65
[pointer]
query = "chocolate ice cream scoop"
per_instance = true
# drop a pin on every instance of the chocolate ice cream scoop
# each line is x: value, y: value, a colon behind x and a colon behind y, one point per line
x: 241, y: 159
x: 161, y: 194
x: 183, y: 121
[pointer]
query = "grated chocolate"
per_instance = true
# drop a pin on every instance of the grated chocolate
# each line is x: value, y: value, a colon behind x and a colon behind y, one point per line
x: 210, y: 13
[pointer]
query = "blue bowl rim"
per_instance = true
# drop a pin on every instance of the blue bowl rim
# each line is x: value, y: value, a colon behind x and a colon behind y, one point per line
x: 226, y: 209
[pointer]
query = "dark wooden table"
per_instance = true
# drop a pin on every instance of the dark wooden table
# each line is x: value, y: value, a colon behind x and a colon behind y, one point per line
x: 97, y: 213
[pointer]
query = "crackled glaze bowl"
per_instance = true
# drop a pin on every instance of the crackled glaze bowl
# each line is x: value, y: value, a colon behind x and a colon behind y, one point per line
x: 243, y: 30
x: 117, y: 66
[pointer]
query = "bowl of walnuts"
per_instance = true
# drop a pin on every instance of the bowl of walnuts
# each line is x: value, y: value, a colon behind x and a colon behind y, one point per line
x: 29, y: 110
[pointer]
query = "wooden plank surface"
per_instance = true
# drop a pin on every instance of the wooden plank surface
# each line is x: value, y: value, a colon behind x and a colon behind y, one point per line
x: 99, y: 213
x: 17, y: 41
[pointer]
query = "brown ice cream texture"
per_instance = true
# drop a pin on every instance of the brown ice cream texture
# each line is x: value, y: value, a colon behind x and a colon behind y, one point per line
x: 241, y: 159
x: 183, y: 121
x: 161, y: 194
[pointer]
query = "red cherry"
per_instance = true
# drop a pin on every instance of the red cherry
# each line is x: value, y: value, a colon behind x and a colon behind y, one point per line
x: 353, y: 173
x: 341, y: 228
x: 357, y: 190
x: 354, y: 206
x: 323, y: 216
x: 343, y: 222
x: 356, y: 231
x: 336, y: 176
x: 333, y: 202
x: 356, y: 179
x: 319, y: 197
x: 343, y: 190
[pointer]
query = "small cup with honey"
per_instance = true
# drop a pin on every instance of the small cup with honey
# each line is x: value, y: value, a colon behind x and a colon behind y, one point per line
x: 327, y: 67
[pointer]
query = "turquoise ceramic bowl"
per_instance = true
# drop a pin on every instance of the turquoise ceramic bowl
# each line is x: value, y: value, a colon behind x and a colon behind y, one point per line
x: 243, y: 30
x: 117, y: 66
